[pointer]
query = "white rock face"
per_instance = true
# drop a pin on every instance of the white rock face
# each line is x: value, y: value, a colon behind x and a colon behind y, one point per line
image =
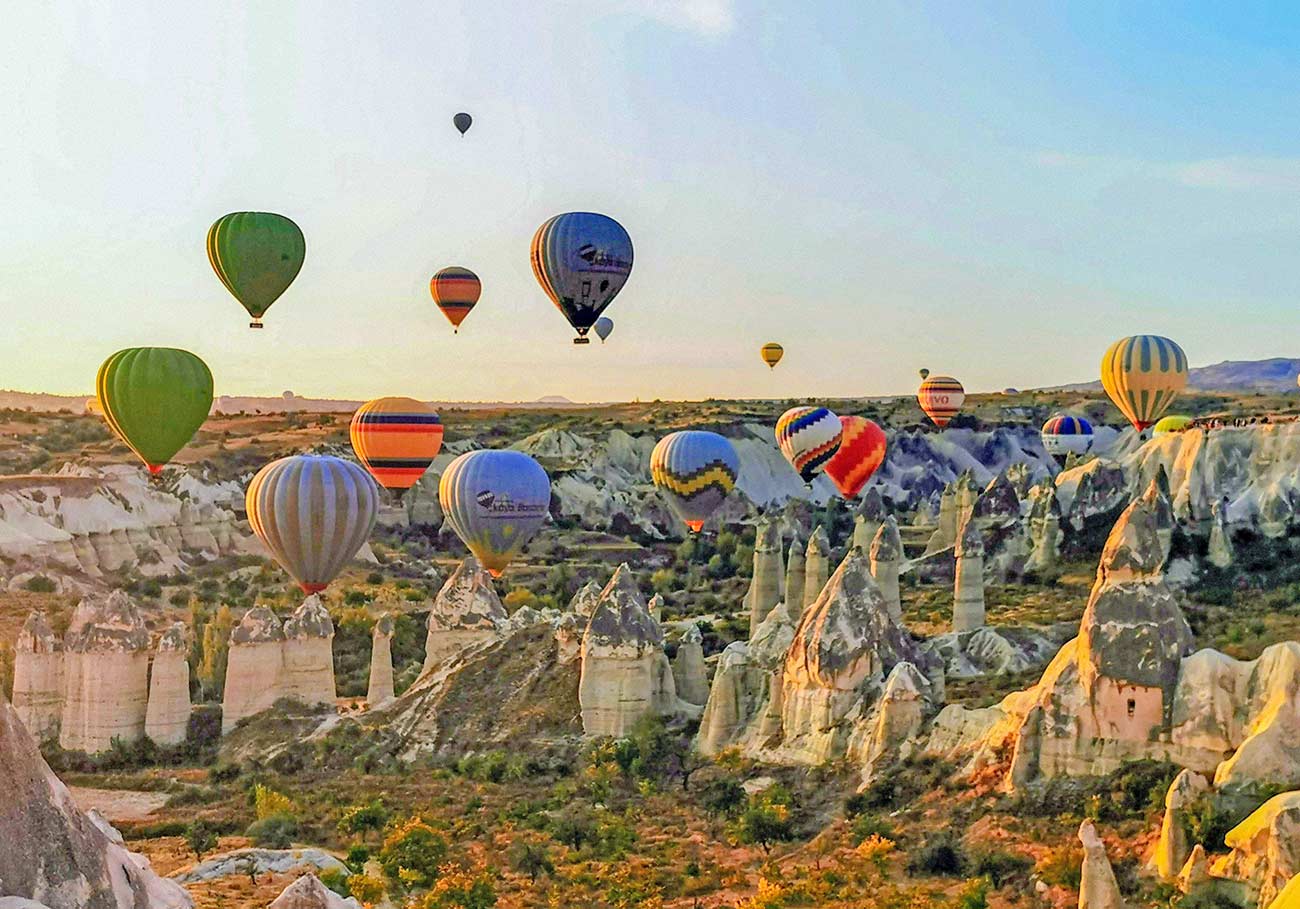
x: 307, y: 892
x: 260, y: 861
x: 794, y: 577
x: 1265, y: 848
x: 745, y: 699
x: 380, y: 690
x: 817, y: 565
x: 1098, y: 888
x: 623, y: 663
x: 898, y: 718
x: 467, y: 611
x: 569, y: 629
x: 53, y: 854
x: 167, y: 718
x: 38, y: 677
x: 886, y: 552
x: 308, y: 673
x: 1172, y: 849
x: 106, y: 691
x: 254, y: 667
x: 584, y: 601
x: 765, y: 586
x: 968, y: 591
x: 690, y: 675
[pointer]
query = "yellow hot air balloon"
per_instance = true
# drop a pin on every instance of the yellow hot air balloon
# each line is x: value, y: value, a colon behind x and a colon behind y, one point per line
x: 772, y: 353
x: 1171, y: 423
x: 1143, y: 375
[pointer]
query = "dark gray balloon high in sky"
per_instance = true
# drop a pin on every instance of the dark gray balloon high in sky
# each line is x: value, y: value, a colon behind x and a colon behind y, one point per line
x: 463, y: 122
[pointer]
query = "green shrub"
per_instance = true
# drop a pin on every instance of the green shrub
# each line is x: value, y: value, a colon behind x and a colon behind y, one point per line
x: 274, y: 832
x: 940, y: 854
x: 413, y: 853
x: 865, y: 826
x: 39, y: 583
x: 999, y: 865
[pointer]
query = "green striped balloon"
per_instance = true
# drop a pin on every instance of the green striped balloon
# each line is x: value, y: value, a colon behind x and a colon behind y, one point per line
x: 155, y: 399
x: 257, y: 255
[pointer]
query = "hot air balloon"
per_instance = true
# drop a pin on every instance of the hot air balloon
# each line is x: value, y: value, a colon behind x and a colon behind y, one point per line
x: 941, y: 397
x: 396, y: 439
x: 1063, y: 435
x: 694, y: 470
x: 582, y: 260
x: 314, y: 512
x: 455, y: 290
x: 861, y: 452
x: 495, y: 500
x: 771, y: 352
x: 1171, y: 423
x: 256, y: 255
x: 924, y: 373
x: 808, y: 437
x: 155, y: 399
x: 604, y: 326
x: 1143, y: 374
x: 462, y: 122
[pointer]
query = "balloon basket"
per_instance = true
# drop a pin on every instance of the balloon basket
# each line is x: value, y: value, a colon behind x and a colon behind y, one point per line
x: 255, y: 324
x: 582, y: 340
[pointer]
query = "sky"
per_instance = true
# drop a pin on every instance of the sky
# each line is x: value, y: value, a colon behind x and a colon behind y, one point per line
x: 995, y: 191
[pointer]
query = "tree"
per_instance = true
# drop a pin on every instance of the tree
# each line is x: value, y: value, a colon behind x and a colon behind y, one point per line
x: 722, y: 797
x: 201, y: 839
x: 216, y: 649
x: 363, y: 820
x: 763, y: 824
x: 413, y: 853
x: 531, y: 859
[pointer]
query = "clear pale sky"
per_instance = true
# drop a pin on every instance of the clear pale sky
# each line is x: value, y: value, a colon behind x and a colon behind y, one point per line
x: 994, y: 191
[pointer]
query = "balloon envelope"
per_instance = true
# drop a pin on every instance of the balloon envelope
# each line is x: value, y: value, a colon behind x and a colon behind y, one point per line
x: 941, y: 397
x: 495, y: 500
x: 808, y: 437
x: 256, y: 255
x: 462, y: 122
x: 455, y: 291
x: 924, y: 373
x: 1143, y: 375
x: 771, y: 352
x: 1064, y: 434
x: 604, y: 327
x: 582, y: 260
x: 695, y: 471
x: 861, y: 452
x: 396, y: 439
x: 1171, y: 423
x: 314, y: 512
x: 155, y: 399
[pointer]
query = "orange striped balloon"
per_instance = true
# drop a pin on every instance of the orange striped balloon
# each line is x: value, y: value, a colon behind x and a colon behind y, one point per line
x: 941, y: 397
x: 861, y: 452
x: 396, y: 439
x: 455, y: 290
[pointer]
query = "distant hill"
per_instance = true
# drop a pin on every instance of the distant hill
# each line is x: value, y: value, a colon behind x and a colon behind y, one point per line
x: 1275, y: 374
x: 283, y: 403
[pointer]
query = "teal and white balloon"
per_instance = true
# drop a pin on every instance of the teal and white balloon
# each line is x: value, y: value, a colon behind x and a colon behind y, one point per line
x: 495, y: 501
x: 695, y: 470
x: 314, y: 512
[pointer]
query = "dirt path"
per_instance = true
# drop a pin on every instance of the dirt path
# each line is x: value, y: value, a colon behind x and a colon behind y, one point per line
x: 118, y: 805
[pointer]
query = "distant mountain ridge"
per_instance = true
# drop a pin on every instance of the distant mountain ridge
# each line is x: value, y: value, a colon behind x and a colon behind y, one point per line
x: 1275, y: 374
x: 284, y: 403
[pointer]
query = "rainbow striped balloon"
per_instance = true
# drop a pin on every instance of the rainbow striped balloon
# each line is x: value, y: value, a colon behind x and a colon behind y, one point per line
x: 455, y: 290
x: 1063, y: 434
x: 941, y: 397
x: 396, y: 439
x: 1143, y: 374
x: 861, y: 452
x: 808, y: 437
x: 695, y: 471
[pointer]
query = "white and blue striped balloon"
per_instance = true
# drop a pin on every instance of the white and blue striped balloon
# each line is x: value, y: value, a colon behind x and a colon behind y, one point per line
x: 314, y: 512
x: 495, y: 501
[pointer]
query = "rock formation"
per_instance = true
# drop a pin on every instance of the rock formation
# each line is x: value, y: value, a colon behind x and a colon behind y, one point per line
x: 656, y: 607
x: 466, y: 611
x: 968, y: 591
x: 899, y: 715
x: 584, y: 601
x: 623, y: 663
x: 870, y: 515
x: 568, y: 633
x: 886, y: 551
x: 1098, y: 888
x: 794, y: 577
x: 308, y: 673
x: 998, y: 505
x: 817, y: 562
x: 54, y: 854
x: 690, y: 676
x: 1172, y: 849
x: 380, y: 689
x: 744, y: 703
x: 167, y: 717
x: 307, y: 892
x: 38, y: 677
x: 1265, y: 848
x: 106, y: 673
x: 1220, y: 552
x: 253, y: 667
x: 765, y: 587
x: 1044, y: 528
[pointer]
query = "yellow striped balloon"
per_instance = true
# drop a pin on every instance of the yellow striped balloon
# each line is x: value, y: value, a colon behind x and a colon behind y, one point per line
x: 695, y: 470
x: 455, y: 290
x: 1143, y: 375
x: 396, y: 439
x: 941, y: 397
x: 772, y: 353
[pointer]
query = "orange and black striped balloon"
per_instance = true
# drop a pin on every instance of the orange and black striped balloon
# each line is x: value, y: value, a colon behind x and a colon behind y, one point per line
x: 455, y: 291
x: 941, y: 397
x: 396, y: 439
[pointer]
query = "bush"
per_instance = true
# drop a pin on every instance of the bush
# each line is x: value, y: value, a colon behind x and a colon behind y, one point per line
x: 413, y: 853
x: 939, y: 855
x: 274, y: 832
x: 764, y: 824
x: 865, y: 826
x: 1061, y: 866
x: 999, y: 865
x: 39, y: 583
x: 269, y: 803
x: 362, y: 820
x: 461, y: 888
x: 722, y: 797
x: 201, y: 839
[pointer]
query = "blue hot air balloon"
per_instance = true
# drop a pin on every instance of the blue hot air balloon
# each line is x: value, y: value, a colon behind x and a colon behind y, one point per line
x: 604, y: 327
x: 495, y: 501
x: 694, y: 470
x: 1063, y: 434
x: 582, y: 260
x: 314, y: 512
